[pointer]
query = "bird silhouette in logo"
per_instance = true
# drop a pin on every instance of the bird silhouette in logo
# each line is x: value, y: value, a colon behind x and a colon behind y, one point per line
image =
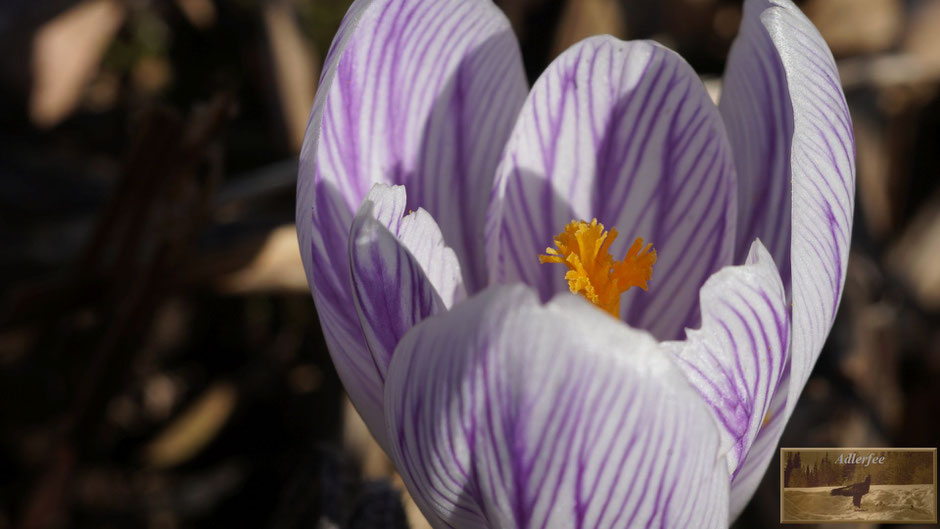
x: 855, y: 490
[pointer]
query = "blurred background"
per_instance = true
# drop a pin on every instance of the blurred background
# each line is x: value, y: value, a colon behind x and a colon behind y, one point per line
x: 161, y: 363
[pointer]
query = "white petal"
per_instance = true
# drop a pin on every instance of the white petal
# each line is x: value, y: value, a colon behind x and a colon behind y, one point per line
x: 751, y: 472
x: 737, y: 357
x: 400, y: 268
x: 506, y: 413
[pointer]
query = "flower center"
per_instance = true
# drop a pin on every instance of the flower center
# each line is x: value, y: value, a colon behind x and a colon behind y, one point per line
x: 592, y: 272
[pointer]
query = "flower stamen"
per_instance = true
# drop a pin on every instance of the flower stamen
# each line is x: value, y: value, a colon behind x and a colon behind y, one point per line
x: 592, y: 271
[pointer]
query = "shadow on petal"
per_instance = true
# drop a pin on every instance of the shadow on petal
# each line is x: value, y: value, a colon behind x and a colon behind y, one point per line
x: 326, y: 202
x: 517, y: 234
x: 625, y: 133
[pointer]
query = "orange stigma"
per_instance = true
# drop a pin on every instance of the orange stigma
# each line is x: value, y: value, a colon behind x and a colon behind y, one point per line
x: 592, y: 272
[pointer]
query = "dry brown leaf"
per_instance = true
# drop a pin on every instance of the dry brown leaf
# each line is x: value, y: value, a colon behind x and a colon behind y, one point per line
x: 713, y: 87
x: 200, y: 13
x: 857, y: 26
x: 413, y: 514
x: 152, y: 74
x: 296, y: 68
x: 360, y: 443
x: 873, y: 176
x: 914, y: 258
x: 67, y: 51
x: 189, y: 433
x: 277, y: 267
x: 922, y: 39
x: 583, y: 18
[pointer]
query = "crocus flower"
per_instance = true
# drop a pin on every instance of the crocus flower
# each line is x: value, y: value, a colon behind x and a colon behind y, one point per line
x: 431, y: 181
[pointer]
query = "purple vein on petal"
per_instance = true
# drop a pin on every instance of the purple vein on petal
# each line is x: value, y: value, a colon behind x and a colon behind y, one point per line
x: 625, y: 133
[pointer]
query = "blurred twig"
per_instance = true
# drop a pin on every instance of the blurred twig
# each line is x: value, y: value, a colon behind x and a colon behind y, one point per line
x: 67, y: 52
x: 131, y: 261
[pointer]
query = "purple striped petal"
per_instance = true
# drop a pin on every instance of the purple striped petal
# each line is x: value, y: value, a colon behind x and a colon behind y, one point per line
x: 822, y: 158
x: 780, y: 51
x: 755, y: 106
x: 624, y: 132
x: 401, y: 270
x: 415, y: 92
x: 420, y: 93
x: 506, y: 413
x: 736, y: 359
x: 751, y: 472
